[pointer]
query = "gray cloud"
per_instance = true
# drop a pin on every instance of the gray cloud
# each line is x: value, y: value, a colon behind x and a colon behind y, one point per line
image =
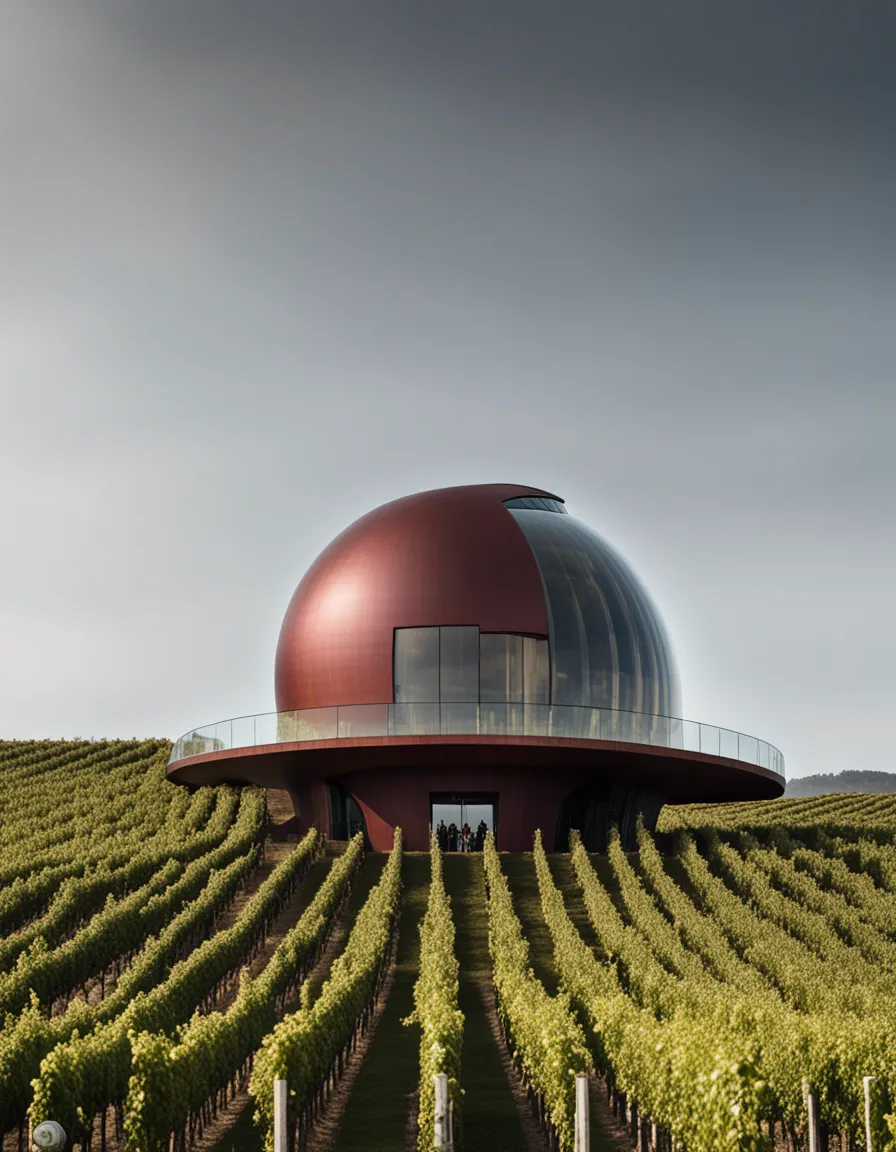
x: 268, y: 266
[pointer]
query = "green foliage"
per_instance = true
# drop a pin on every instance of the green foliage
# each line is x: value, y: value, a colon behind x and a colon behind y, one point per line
x: 305, y: 1046
x: 548, y: 1043
x: 171, y: 1081
x: 674, y: 1057
x: 744, y: 974
x: 141, y: 824
x: 435, y: 1005
x: 84, y: 1074
x: 847, y: 815
x: 759, y: 953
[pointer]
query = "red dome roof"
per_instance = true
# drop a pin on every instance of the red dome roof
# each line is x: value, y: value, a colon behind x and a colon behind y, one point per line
x: 445, y: 557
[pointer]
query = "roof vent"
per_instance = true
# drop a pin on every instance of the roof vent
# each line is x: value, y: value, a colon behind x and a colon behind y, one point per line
x: 541, y: 503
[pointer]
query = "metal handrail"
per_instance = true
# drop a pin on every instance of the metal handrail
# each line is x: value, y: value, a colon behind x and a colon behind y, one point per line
x: 485, y: 718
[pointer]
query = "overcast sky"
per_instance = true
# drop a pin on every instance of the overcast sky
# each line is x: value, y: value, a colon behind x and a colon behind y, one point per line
x: 264, y: 267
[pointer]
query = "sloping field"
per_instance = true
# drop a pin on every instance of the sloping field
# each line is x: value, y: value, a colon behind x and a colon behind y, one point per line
x: 162, y: 962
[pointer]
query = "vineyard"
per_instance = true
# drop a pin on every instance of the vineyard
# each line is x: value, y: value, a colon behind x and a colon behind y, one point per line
x: 166, y: 957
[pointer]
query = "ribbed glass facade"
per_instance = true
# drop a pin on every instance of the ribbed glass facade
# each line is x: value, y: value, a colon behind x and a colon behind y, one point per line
x: 608, y: 646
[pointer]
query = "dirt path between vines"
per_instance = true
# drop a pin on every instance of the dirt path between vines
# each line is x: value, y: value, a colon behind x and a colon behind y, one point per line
x: 322, y: 1137
x: 286, y: 919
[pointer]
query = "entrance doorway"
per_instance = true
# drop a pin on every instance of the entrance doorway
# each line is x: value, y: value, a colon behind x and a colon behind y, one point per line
x: 473, y: 809
x: 346, y: 817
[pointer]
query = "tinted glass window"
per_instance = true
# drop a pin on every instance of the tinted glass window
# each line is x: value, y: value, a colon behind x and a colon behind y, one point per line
x: 536, y: 671
x: 416, y: 664
x: 500, y: 667
x: 459, y: 664
x: 608, y: 645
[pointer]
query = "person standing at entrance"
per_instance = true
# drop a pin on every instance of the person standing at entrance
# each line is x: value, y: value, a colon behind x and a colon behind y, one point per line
x: 452, y: 837
x: 442, y: 836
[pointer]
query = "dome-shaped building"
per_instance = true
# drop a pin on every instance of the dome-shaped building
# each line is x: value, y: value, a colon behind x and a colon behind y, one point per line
x: 476, y: 654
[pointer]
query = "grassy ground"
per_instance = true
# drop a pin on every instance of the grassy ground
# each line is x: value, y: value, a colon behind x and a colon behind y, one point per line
x: 490, y: 1117
x: 367, y: 876
x: 519, y: 868
x: 565, y: 878
x: 376, y: 1116
x: 607, y: 877
x: 677, y: 871
x: 243, y: 1136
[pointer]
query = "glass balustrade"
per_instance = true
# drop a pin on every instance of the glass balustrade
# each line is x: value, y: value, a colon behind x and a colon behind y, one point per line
x: 508, y: 718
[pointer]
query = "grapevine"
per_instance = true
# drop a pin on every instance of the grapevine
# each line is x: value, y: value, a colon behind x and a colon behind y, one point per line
x: 308, y: 1048
x: 435, y: 1005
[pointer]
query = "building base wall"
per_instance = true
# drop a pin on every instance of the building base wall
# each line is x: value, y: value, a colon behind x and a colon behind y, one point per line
x: 311, y: 802
x: 551, y: 784
x: 527, y: 799
x: 597, y: 807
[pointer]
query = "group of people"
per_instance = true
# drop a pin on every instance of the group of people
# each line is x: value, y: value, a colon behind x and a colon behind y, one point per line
x: 454, y: 839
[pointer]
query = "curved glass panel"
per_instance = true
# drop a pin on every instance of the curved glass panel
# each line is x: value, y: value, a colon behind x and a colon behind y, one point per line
x: 458, y: 664
x: 500, y: 666
x: 609, y: 648
x: 416, y: 669
x: 536, y: 671
x: 490, y: 718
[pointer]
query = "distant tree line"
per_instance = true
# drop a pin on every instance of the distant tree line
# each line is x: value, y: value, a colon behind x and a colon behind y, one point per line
x: 851, y: 780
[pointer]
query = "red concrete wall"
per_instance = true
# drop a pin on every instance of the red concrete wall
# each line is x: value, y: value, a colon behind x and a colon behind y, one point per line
x: 528, y: 798
x: 311, y: 801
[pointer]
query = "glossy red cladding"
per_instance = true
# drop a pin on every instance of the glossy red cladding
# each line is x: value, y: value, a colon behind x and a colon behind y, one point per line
x: 452, y: 556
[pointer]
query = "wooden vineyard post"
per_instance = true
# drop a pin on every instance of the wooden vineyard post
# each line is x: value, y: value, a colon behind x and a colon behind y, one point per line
x: 442, y: 1139
x: 280, y: 1109
x: 866, y: 1085
x: 583, y: 1131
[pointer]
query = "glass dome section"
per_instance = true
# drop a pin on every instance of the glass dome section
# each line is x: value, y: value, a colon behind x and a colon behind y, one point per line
x: 609, y: 648
x: 544, y: 503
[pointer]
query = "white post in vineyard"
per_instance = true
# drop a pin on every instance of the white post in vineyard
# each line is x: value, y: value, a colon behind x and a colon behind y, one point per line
x: 866, y: 1084
x: 280, y: 1106
x: 583, y: 1131
x: 442, y: 1139
x: 812, y: 1111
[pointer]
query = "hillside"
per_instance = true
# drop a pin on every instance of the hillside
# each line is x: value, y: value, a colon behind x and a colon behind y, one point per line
x: 851, y: 780
x: 162, y: 962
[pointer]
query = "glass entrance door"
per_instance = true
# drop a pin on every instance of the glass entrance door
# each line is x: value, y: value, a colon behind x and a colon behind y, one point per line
x: 451, y: 815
